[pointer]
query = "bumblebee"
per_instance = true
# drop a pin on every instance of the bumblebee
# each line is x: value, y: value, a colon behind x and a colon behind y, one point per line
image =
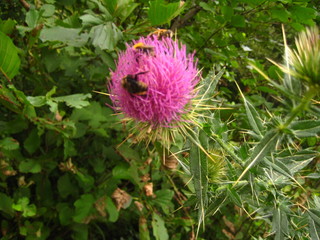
x: 133, y: 85
x: 144, y: 48
x: 162, y: 33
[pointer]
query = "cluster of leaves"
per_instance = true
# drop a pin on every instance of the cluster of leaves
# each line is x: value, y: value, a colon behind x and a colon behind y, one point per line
x: 64, y: 173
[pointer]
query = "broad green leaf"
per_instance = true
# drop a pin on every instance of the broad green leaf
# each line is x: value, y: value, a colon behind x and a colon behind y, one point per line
x: 163, y: 199
x: 105, y: 36
x: 143, y: 229
x: 112, y: 210
x: 159, y: 229
x: 238, y: 21
x: 86, y: 181
x: 74, y: 100
x: 32, y: 142
x: 9, y: 59
x: 6, y: 204
x: 161, y: 13
x: 69, y: 36
x: 89, y: 20
x: 84, y: 206
x: 7, y: 26
x: 28, y: 210
x: 281, y: 14
x: 32, y: 18
x: 9, y: 144
x: 48, y: 10
x: 30, y: 166
x: 65, y: 186
x: 80, y: 231
x: 65, y: 213
x: 302, y: 14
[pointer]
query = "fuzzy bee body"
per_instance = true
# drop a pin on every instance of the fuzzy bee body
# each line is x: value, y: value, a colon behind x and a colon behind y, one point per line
x: 133, y: 85
x: 162, y: 33
x: 148, y: 49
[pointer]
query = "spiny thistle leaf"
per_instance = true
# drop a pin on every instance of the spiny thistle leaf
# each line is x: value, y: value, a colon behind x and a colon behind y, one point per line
x: 199, y: 171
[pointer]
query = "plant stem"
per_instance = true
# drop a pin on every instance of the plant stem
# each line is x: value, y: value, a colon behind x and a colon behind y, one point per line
x: 302, y: 106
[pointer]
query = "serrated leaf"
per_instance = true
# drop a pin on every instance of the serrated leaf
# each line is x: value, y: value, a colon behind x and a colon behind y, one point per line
x: 9, y: 144
x: 9, y: 59
x: 266, y: 145
x: 305, y: 128
x: 252, y: 115
x: 30, y: 166
x: 7, y: 26
x: 234, y: 196
x: 314, y: 229
x: 83, y: 206
x: 69, y: 36
x: 209, y: 84
x: 32, y: 142
x: 199, y: 171
x: 143, y: 229
x: 105, y: 36
x: 159, y: 229
x: 75, y: 100
x: 315, y: 215
x: 161, y: 13
x: 6, y: 204
x: 279, y: 224
x: 112, y: 210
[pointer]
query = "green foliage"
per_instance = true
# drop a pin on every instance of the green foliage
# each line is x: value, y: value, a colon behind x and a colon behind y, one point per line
x: 70, y: 170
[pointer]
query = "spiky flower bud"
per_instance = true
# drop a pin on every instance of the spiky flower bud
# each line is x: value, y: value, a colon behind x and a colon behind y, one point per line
x: 305, y: 60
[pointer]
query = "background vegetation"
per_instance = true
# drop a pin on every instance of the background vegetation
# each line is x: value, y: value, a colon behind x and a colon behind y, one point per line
x: 67, y: 168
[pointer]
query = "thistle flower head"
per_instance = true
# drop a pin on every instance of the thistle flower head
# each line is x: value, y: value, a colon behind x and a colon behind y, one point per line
x: 305, y: 60
x: 154, y: 82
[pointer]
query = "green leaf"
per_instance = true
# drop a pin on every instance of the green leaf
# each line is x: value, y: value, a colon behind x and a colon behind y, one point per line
x: 9, y: 59
x: 69, y: 36
x: 263, y: 149
x: 163, y: 199
x: 75, y: 100
x: 23, y: 206
x: 281, y: 14
x: 143, y: 229
x: 32, y: 18
x: 7, y: 26
x: 305, y: 128
x: 161, y: 13
x: 48, y: 10
x: 6, y: 204
x: 199, y: 171
x: 159, y: 229
x: 208, y: 85
x: 234, y: 196
x: 65, y: 186
x: 314, y: 229
x: 30, y: 166
x: 279, y: 224
x: 65, y: 213
x: 105, y: 36
x: 253, y: 116
x: 9, y: 144
x: 112, y: 210
x: 32, y: 142
x: 315, y: 215
x: 238, y: 21
x: 84, y: 206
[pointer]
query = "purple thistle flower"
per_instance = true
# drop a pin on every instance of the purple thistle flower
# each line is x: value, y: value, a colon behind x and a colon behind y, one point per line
x: 170, y: 75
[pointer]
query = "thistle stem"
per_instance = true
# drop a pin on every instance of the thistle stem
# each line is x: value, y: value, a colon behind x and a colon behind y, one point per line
x: 302, y: 106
